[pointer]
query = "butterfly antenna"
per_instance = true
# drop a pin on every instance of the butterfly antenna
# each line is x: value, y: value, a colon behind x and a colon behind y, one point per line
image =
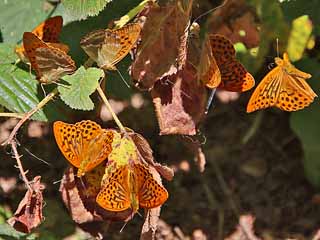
x: 124, y: 225
x: 209, y: 11
x: 213, y: 92
x: 40, y: 159
x: 125, y: 82
x: 277, y: 40
x: 55, y: 182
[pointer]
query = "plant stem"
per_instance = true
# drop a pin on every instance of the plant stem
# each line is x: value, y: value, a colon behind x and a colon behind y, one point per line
x: 29, y: 114
x: 106, y: 102
x: 12, y: 115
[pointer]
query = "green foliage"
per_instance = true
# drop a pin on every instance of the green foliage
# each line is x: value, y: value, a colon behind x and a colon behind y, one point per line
x: 7, y: 54
x: 19, y: 91
x: 82, y: 9
x: 306, y: 125
x: 82, y: 84
x: 299, y: 37
x: 16, y: 16
x: 9, y: 232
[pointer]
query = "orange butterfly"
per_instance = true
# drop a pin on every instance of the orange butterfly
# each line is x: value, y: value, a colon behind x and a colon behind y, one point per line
x: 130, y: 186
x: 50, y: 63
x: 107, y: 47
x: 233, y: 75
x: 284, y: 87
x: 84, y: 144
x: 48, y: 31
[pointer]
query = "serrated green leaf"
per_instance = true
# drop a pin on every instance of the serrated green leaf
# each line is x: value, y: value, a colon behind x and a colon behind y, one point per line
x: 300, y: 34
x: 20, y: 17
x: 82, y: 84
x: 7, y: 54
x: 80, y: 9
x: 305, y: 123
x: 8, y: 231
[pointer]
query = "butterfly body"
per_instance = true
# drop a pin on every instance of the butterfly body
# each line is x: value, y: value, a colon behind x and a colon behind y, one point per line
x: 50, y: 63
x: 107, y: 47
x: 84, y: 144
x: 284, y: 87
x: 131, y: 186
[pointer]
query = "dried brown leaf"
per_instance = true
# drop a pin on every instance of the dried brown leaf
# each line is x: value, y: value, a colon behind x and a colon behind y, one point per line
x: 244, y: 230
x: 200, y: 159
x: 234, y: 17
x: 29, y: 212
x: 179, y: 102
x: 159, y: 49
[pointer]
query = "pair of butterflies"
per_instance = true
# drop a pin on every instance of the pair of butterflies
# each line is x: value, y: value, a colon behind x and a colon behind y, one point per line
x: 86, y: 145
x: 283, y: 87
x: 50, y: 60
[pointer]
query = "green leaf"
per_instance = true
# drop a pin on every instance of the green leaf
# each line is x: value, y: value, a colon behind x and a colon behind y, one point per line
x: 21, y: 17
x: 80, y: 9
x: 8, y: 231
x: 18, y: 91
x: 7, y: 54
x: 82, y: 84
x: 306, y: 125
x: 299, y: 37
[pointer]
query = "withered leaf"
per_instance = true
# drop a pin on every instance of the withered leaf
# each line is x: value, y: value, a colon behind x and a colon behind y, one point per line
x: 244, y: 229
x: 158, y: 52
x: 29, y: 212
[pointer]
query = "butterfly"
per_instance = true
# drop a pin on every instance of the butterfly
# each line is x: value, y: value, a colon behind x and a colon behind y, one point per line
x: 84, y: 144
x: 234, y: 76
x: 48, y: 31
x: 283, y: 87
x: 131, y: 186
x: 107, y: 47
x: 50, y: 63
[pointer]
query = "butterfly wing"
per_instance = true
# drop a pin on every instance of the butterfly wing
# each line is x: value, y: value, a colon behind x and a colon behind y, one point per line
x: 150, y: 193
x: 92, y: 42
x: 267, y: 92
x: 96, y: 145
x: 295, y: 93
x: 114, y: 194
x: 209, y: 72
x: 31, y: 42
x: 69, y: 140
x: 60, y: 46
x: 222, y: 48
x: 52, y: 64
x: 49, y: 30
x: 235, y: 78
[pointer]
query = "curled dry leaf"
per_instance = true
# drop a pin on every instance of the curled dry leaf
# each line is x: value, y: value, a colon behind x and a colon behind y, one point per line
x: 237, y: 21
x: 145, y: 152
x: 29, y: 212
x: 158, y: 51
x: 150, y: 224
x: 179, y: 102
x: 244, y: 229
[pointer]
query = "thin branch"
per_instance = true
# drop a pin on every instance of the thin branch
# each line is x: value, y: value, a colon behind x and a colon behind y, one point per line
x: 106, y: 102
x: 17, y: 157
x: 12, y: 115
x: 28, y: 115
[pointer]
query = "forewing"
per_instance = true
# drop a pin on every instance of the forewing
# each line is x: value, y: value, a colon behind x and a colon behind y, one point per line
x: 267, y: 92
x: 69, y: 141
x: 114, y: 194
x: 31, y: 42
x: 53, y: 64
x: 150, y: 193
x: 222, y: 48
x: 49, y: 30
x: 234, y: 77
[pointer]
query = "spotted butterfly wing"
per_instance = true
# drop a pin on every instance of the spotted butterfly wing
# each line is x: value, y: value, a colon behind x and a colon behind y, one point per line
x: 150, y: 193
x: 284, y: 87
x: 108, y: 47
x: 234, y: 77
x: 115, y: 194
x: 84, y: 144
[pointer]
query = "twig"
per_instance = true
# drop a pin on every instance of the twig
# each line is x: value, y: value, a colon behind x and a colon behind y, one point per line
x: 254, y: 127
x: 17, y: 157
x: 106, y: 102
x: 12, y: 115
x: 28, y: 115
